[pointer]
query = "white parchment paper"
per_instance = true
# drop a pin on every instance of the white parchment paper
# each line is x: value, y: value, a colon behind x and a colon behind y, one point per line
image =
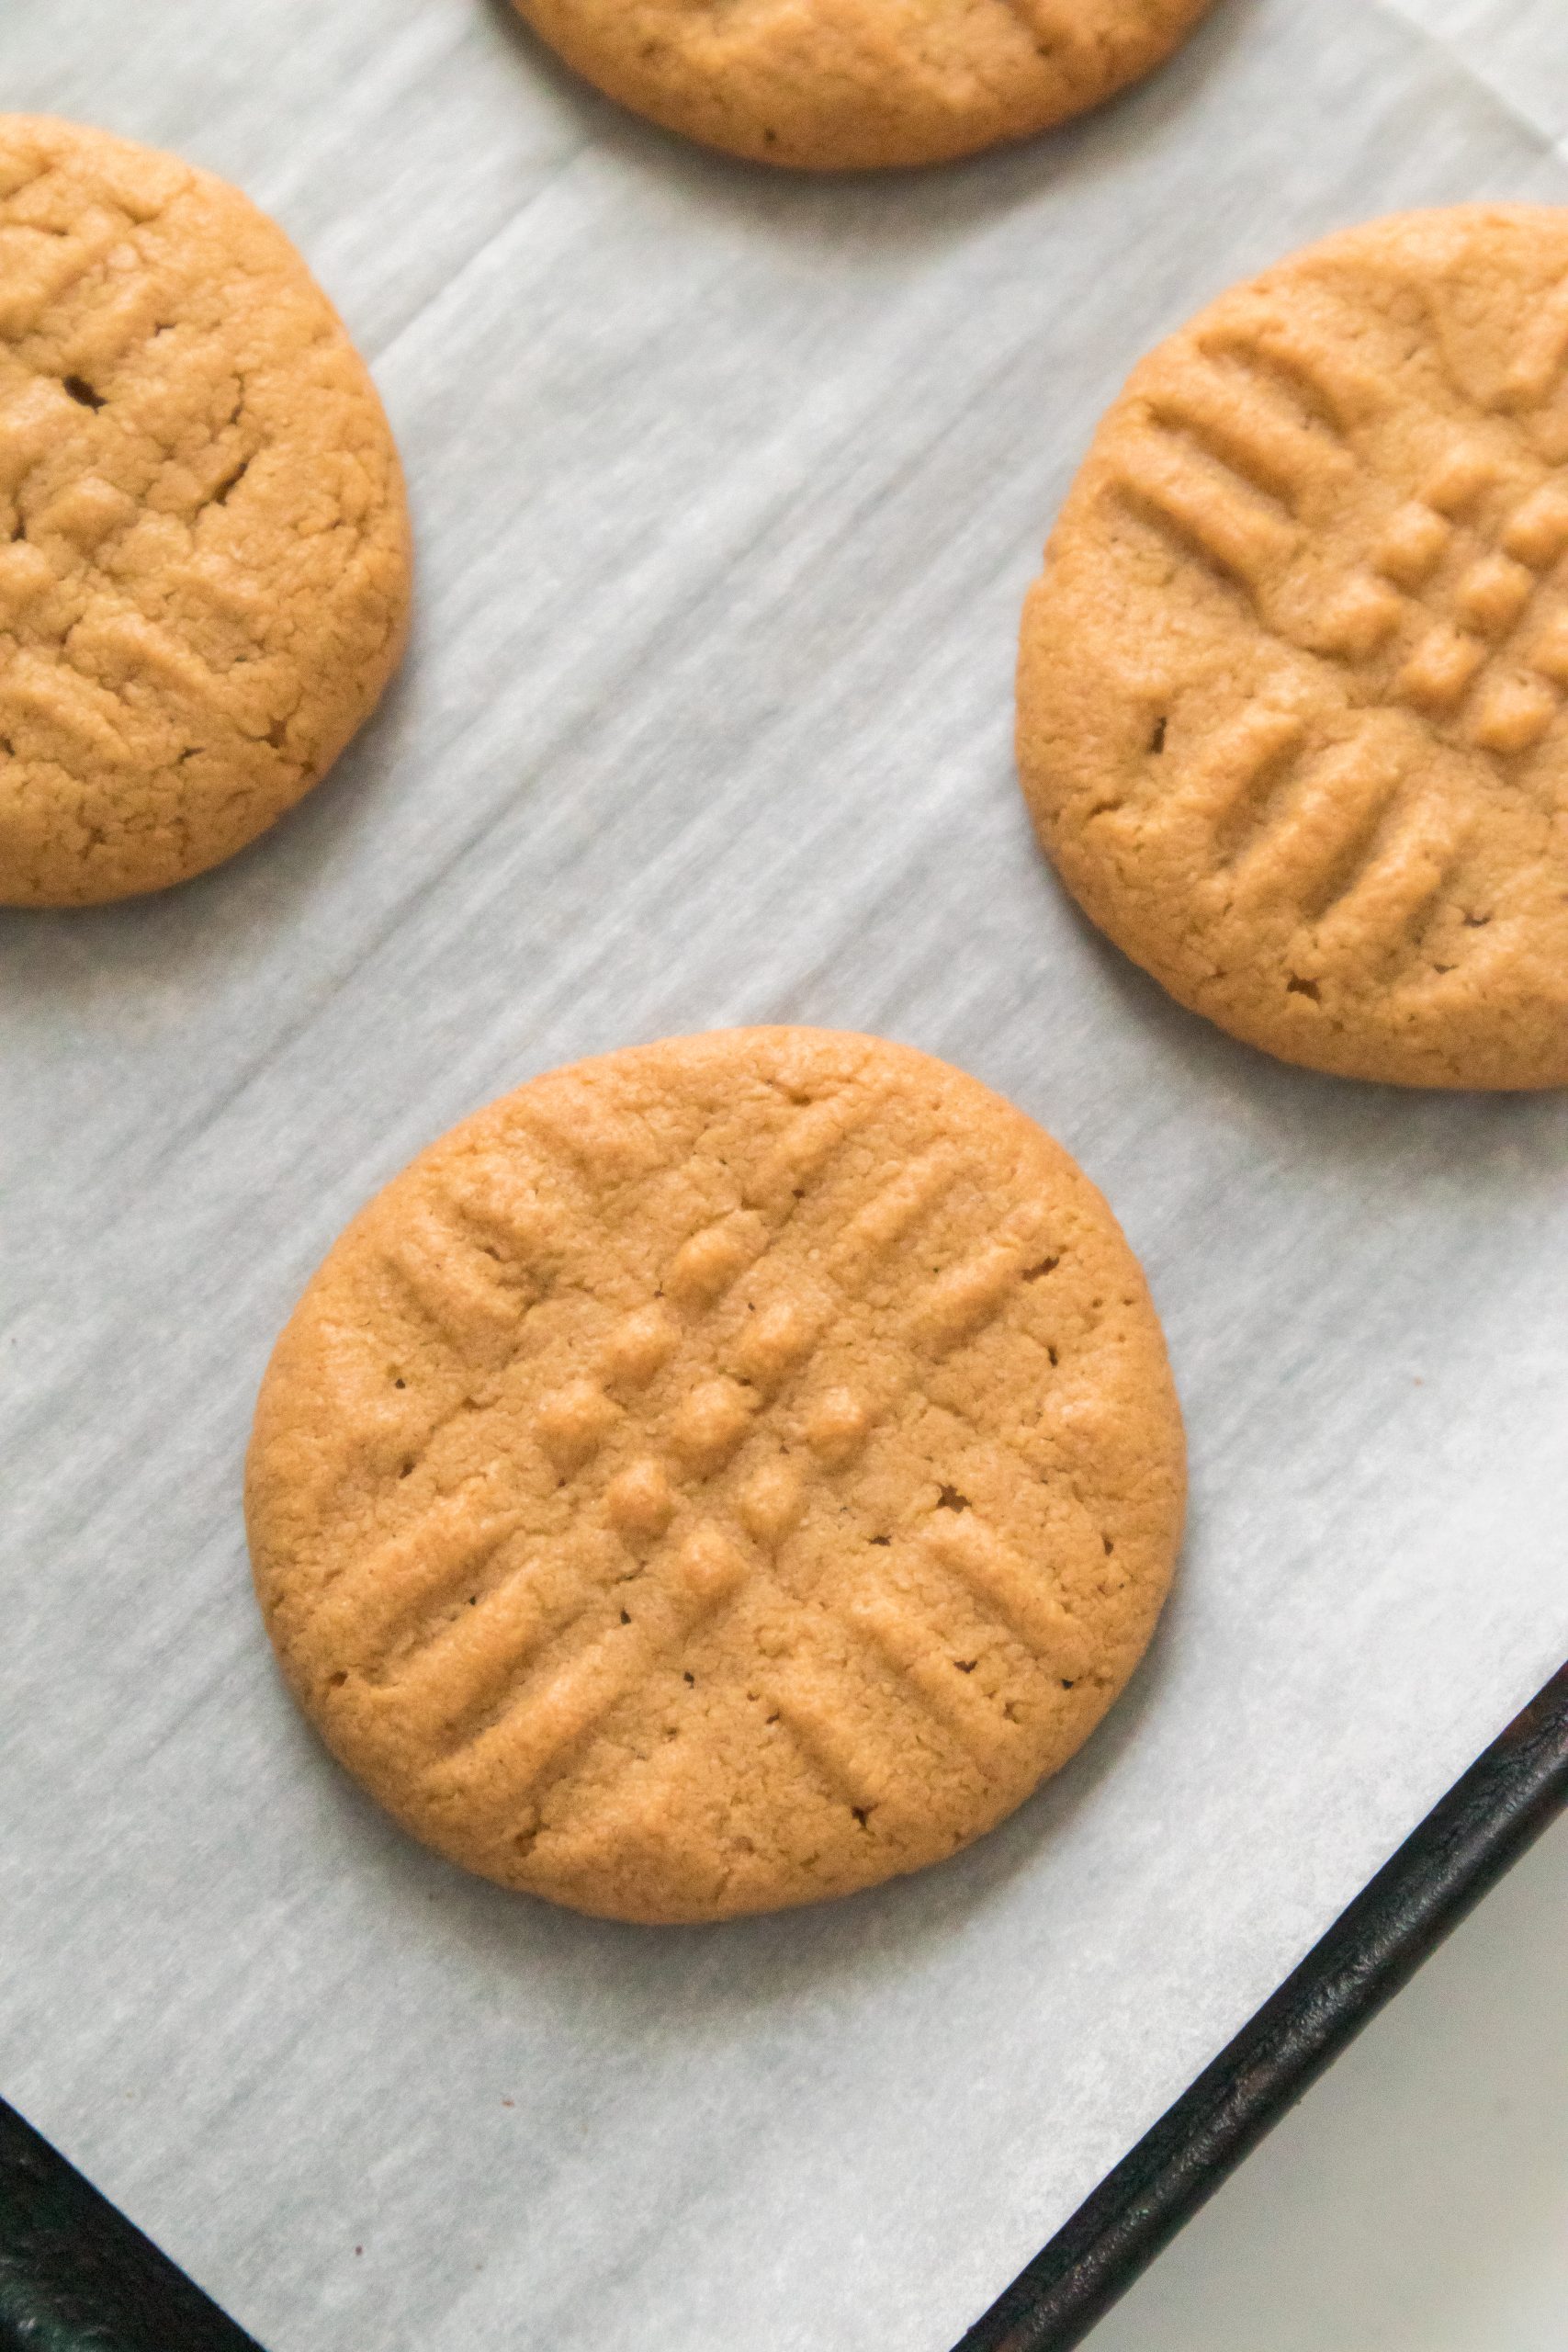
x: 728, y: 488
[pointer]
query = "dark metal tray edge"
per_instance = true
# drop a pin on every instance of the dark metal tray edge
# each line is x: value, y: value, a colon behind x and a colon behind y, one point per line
x: 75, y: 2276
x: 1470, y: 1837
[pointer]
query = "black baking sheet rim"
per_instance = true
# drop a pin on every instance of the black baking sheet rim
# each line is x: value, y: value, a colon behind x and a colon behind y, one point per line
x: 75, y: 2276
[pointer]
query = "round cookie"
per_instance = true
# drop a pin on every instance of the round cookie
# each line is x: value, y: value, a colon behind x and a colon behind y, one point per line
x: 204, y: 544
x: 856, y: 84
x: 718, y: 1475
x: 1293, y: 684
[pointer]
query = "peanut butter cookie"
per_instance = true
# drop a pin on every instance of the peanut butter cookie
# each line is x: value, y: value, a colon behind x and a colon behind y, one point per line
x: 718, y: 1475
x: 853, y: 84
x: 1293, y: 685
x: 204, y: 546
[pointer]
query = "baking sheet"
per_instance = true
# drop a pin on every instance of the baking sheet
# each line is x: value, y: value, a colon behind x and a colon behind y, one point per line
x: 728, y: 488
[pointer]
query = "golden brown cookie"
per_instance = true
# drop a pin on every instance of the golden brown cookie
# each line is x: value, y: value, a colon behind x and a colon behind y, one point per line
x: 204, y: 546
x: 724, y: 1473
x: 854, y: 85
x: 1293, y: 685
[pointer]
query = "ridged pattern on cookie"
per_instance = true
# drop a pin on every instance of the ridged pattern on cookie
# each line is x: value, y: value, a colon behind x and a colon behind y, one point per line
x: 203, y: 541
x: 724, y: 1473
x: 1294, y: 692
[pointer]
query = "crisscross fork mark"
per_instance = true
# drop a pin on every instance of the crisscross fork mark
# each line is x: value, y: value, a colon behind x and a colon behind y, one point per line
x: 1233, y: 416
x: 524, y: 1745
x: 1219, y: 799
x: 622, y: 1663
x: 436, y: 1262
x: 1221, y: 470
x: 819, y: 1699
x: 1225, y: 467
x: 1239, y: 535
x: 1312, y: 855
x: 548, y: 1728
